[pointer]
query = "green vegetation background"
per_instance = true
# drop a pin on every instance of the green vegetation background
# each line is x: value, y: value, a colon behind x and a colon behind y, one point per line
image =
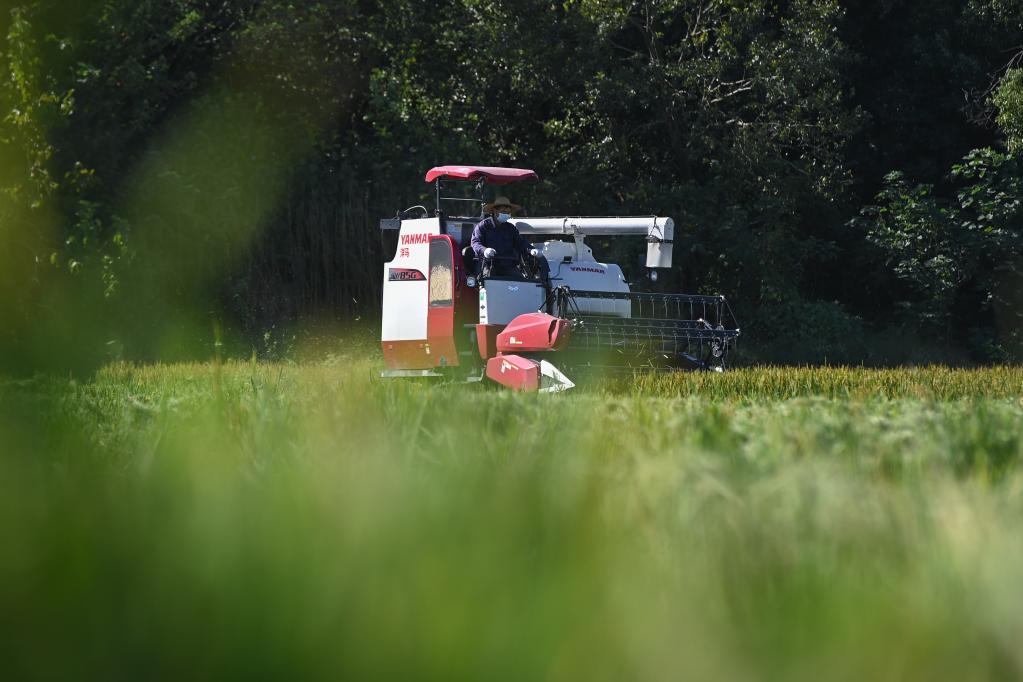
x: 182, y: 179
x: 846, y: 173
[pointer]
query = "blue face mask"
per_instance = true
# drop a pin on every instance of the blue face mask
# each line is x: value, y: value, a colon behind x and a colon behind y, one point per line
x: 503, y: 217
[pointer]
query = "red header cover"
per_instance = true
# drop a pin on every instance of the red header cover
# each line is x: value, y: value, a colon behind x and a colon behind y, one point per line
x: 493, y: 174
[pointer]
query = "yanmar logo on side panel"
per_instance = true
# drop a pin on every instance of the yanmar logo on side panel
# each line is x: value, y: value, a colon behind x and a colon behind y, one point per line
x: 405, y: 275
x: 420, y: 238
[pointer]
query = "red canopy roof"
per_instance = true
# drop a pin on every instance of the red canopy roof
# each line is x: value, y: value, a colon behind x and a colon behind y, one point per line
x: 493, y: 174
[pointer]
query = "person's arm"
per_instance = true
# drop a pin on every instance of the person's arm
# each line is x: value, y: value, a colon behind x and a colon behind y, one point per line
x: 522, y: 244
x: 476, y: 242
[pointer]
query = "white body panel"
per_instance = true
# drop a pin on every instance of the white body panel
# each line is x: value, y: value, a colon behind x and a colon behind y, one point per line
x: 501, y: 301
x: 658, y: 251
x: 636, y: 225
x: 660, y: 232
x: 572, y: 265
x: 406, y: 301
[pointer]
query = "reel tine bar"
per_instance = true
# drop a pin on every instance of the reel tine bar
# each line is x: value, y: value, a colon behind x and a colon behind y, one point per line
x: 645, y: 326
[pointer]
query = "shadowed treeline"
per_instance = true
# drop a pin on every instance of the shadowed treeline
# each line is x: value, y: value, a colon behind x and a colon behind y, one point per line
x: 171, y: 167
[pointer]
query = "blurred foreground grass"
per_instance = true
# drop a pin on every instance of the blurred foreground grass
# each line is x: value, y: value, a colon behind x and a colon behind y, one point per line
x: 310, y: 521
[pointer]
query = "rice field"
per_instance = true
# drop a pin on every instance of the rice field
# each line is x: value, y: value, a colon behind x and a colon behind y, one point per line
x: 310, y: 521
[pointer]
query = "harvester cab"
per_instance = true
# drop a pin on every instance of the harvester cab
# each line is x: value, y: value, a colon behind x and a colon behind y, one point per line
x: 445, y: 314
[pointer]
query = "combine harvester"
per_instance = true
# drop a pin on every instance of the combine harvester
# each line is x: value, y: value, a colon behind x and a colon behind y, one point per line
x: 444, y: 314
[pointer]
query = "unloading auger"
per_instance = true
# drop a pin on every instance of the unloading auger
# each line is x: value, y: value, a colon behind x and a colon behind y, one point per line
x: 444, y: 314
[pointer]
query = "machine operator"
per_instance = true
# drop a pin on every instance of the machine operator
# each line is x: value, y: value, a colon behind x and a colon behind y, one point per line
x: 495, y: 236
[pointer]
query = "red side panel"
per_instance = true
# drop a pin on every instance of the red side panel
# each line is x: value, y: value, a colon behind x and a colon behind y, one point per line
x: 440, y: 327
x: 515, y: 372
x: 440, y: 318
x: 486, y: 339
x: 408, y: 355
x: 534, y: 332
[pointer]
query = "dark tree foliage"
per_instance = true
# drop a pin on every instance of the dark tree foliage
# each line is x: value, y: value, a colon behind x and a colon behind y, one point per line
x: 167, y: 167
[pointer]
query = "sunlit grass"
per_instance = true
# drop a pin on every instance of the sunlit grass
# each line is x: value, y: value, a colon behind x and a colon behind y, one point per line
x: 313, y: 521
x: 779, y: 383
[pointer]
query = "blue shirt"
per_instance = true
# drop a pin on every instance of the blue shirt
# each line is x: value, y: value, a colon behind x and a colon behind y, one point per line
x: 502, y: 237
